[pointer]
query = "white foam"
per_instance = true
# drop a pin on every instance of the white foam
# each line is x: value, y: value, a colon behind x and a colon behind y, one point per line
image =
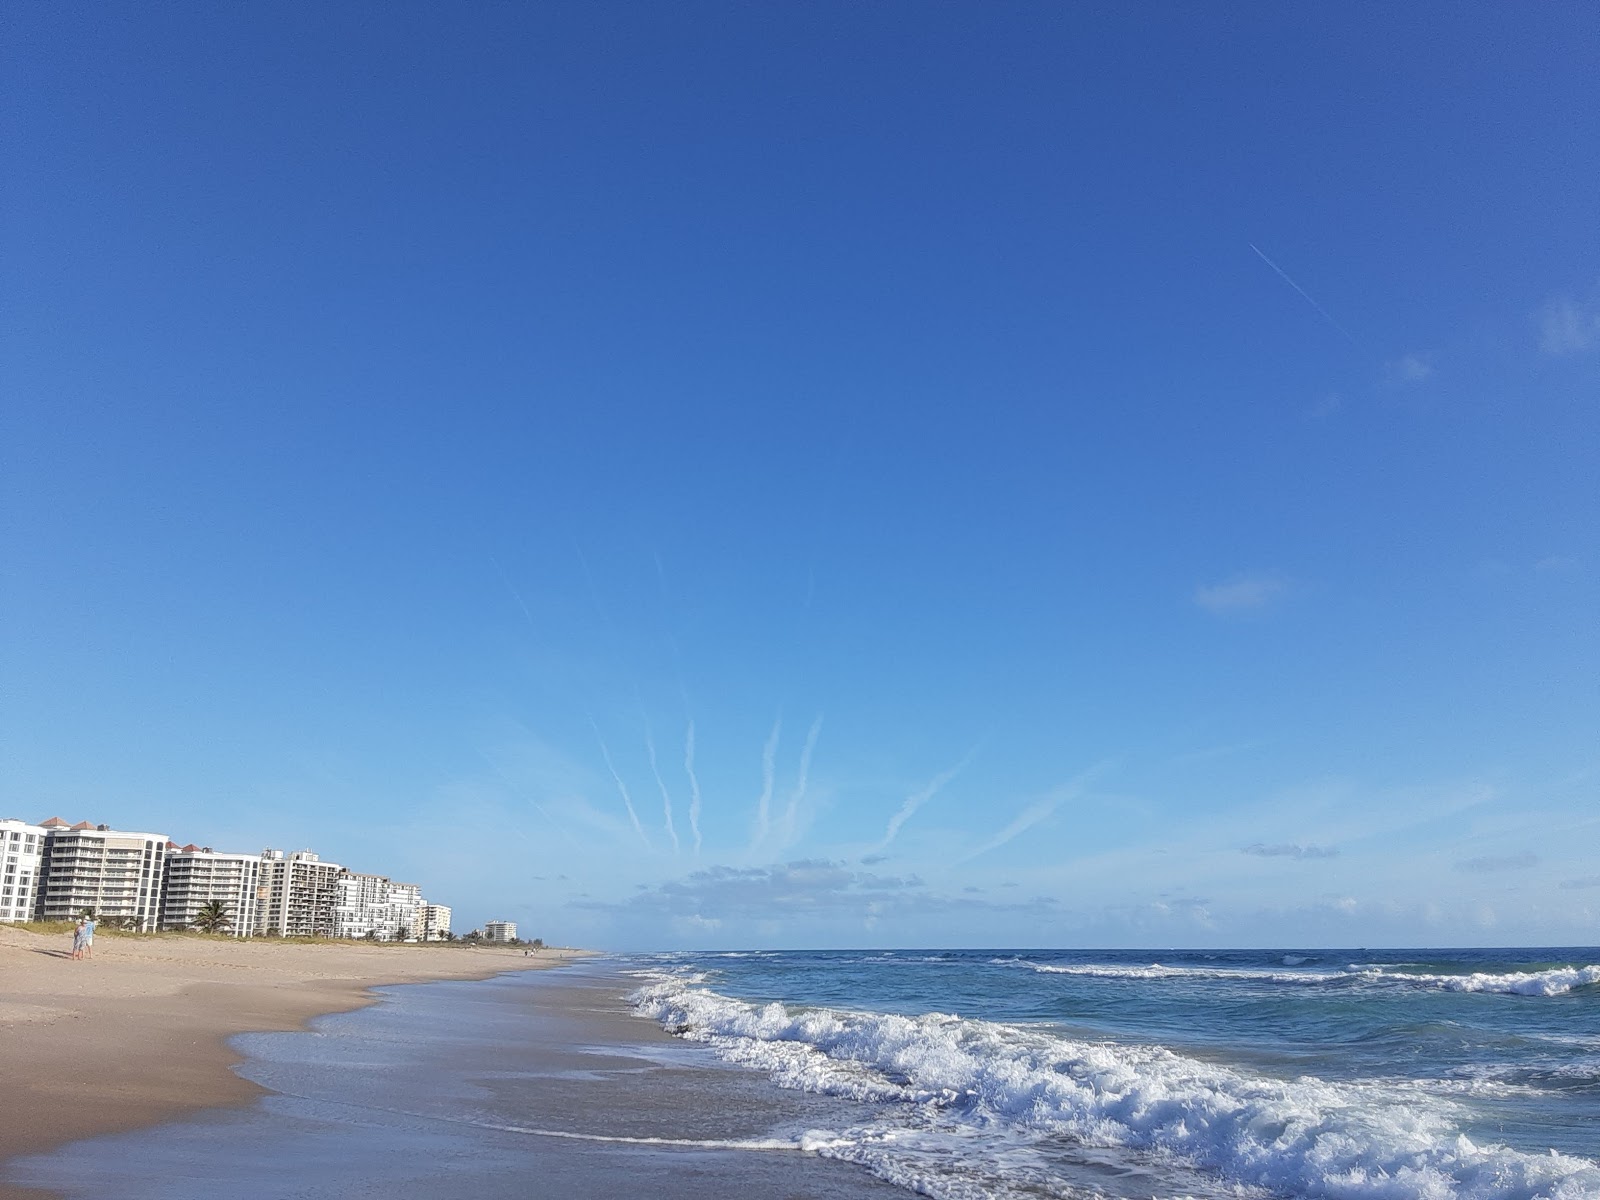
x: 1557, y: 981
x: 1157, y: 971
x: 1305, y: 1137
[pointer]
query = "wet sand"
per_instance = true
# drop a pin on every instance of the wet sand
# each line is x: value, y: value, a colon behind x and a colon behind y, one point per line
x: 137, y: 1034
x: 495, y: 1090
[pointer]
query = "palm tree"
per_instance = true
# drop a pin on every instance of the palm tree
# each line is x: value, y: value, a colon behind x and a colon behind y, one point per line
x: 213, y: 917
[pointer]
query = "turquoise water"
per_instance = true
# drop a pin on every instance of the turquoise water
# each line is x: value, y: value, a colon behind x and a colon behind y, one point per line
x: 1319, y: 1073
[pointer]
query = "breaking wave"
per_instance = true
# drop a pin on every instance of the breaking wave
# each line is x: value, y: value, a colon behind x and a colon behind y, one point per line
x: 978, y: 1079
x: 1557, y: 981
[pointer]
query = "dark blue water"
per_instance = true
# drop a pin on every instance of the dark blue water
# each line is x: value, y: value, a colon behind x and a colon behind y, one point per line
x: 1330, y: 1073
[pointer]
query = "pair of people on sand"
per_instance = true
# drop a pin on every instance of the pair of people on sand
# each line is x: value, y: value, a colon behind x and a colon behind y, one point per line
x: 83, y: 938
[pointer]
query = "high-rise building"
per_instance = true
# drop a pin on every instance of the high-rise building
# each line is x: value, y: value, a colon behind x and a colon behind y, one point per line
x: 21, y: 865
x: 296, y: 895
x: 500, y: 931
x: 435, y: 923
x: 112, y: 873
x: 378, y: 907
x: 198, y: 875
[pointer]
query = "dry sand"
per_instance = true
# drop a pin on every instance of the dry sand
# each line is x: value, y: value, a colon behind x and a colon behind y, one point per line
x: 136, y: 1035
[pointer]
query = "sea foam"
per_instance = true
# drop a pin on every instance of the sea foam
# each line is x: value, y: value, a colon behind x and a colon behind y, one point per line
x: 1557, y: 981
x: 1303, y: 1137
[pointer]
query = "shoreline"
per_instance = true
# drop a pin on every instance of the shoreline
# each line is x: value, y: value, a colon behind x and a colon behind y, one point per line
x: 547, y: 1083
x: 138, y: 1035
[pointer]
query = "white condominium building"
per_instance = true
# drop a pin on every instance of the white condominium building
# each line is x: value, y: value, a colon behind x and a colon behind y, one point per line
x: 112, y: 873
x: 296, y: 895
x: 375, y: 906
x: 500, y: 931
x: 198, y: 875
x: 21, y: 861
x: 435, y: 923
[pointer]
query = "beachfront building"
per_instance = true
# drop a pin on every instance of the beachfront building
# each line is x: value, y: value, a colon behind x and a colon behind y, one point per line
x: 114, y: 874
x: 21, y: 864
x: 434, y: 925
x: 198, y: 876
x: 500, y: 931
x: 375, y: 906
x: 296, y: 895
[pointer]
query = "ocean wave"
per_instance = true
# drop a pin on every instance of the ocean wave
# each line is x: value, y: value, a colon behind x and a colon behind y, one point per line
x: 1305, y: 1137
x: 1157, y: 971
x: 1557, y: 981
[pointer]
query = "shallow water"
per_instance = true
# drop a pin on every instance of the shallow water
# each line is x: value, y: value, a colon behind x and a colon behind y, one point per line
x: 538, y: 1084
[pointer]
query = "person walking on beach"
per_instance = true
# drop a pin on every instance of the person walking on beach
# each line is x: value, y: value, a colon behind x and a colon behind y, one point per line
x: 77, y: 939
x: 88, y: 937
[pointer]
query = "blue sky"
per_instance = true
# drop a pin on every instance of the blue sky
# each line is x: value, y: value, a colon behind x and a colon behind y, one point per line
x: 1077, y: 475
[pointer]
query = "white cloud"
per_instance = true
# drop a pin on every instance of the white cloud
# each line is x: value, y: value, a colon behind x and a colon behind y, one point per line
x: 1245, y: 593
x: 1568, y: 326
x: 1289, y: 850
x: 1410, y: 368
x: 1498, y: 862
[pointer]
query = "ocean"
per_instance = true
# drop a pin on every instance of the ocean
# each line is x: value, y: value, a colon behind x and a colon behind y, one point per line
x: 1339, y: 1074
x: 1131, y: 1075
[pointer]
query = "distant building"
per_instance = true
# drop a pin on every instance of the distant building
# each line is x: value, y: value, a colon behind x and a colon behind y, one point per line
x: 435, y: 923
x: 198, y: 875
x: 112, y: 873
x: 296, y: 895
x: 22, y: 864
x: 500, y: 931
x: 376, y: 906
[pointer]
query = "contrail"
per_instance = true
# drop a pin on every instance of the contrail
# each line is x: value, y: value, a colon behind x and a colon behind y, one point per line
x: 792, y: 812
x: 515, y: 595
x: 1305, y: 295
x: 694, y: 787
x: 1038, y: 811
x: 627, y: 800
x: 769, y: 757
x: 917, y: 799
x: 666, y: 796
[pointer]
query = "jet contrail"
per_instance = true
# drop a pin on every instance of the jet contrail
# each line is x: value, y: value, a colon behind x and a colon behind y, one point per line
x: 917, y: 799
x: 515, y: 595
x: 694, y: 787
x: 627, y: 800
x: 792, y: 812
x: 769, y: 757
x: 1038, y: 811
x: 1305, y: 295
x: 666, y: 796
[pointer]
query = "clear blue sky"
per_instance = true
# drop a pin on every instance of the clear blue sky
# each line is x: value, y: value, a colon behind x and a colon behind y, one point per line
x: 1088, y: 474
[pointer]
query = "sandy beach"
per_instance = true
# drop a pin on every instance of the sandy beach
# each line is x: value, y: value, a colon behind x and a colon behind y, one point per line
x: 137, y: 1035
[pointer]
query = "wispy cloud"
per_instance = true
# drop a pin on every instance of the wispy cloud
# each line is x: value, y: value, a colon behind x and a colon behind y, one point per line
x: 1289, y: 850
x: 792, y: 813
x: 1304, y: 295
x: 1556, y: 562
x: 1409, y: 368
x: 1587, y: 881
x: 1242, y: 594
x: 769, y: 766
x: 694, y: 786
x: 1039, y: 810
x: 627, y: 800
x: 1498, y: 862
x: 920, y: 797
x: 666, y: 796
x: 1568, y: 326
